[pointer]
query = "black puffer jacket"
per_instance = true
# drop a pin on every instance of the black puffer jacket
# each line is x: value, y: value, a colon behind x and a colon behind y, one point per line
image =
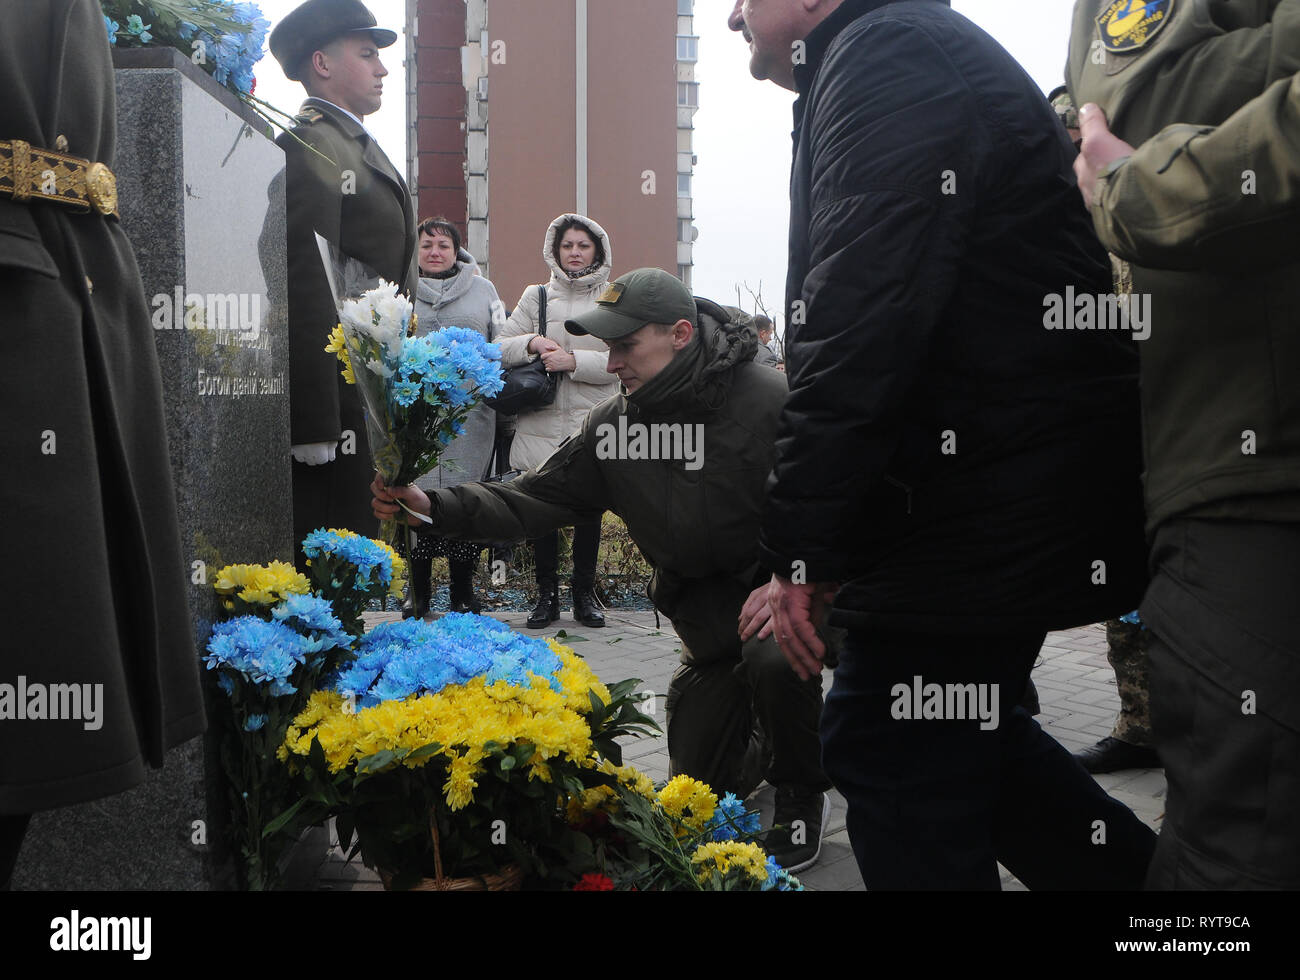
x: 954, y: 463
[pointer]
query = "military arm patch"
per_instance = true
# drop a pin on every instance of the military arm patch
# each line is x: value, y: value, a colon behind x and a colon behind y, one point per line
x: 1128, y: 25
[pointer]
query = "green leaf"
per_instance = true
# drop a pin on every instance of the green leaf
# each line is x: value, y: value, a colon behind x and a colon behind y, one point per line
x: 376, y: 762
x: 283, y: 818
x: 432, y: 748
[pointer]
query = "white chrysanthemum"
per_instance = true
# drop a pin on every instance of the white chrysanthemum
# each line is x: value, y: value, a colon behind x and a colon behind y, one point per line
x: 394, y: 309
x: 376, y: 367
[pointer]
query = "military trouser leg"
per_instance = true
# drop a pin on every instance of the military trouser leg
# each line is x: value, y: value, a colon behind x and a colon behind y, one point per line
x: 709, y: 722
x: 1225, y: 697
x: 788, y: 712
x: 1126, y: 649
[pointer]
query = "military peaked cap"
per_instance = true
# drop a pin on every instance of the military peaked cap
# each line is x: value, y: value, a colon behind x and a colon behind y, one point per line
x: 309, y: 27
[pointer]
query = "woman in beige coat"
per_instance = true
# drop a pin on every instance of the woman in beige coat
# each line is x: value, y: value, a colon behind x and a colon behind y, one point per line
x: 577, y: 251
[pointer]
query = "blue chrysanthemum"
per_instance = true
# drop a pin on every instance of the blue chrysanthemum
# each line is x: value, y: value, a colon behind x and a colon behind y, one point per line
x: 731, y: 820
x: 374, y: 562
x: 314, y: 617
x: 397, y: 660
x: 262, y: 652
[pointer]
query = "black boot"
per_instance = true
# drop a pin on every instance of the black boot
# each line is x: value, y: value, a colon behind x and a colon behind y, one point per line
x: 462, y: 587
x: 548, y: 606
x: 420, y: 590
x: 585, y: 608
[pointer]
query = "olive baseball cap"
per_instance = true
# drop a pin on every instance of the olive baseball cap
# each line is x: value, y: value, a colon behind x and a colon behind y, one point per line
x: 631, y: 301
x: 314, y: 24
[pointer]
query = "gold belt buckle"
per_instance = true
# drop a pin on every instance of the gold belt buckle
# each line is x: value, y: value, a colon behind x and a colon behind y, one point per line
x: 101, y: 188
x: 35, y: 174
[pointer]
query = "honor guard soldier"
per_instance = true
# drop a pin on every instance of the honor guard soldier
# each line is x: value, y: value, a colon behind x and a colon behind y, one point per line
x: 340, y: 185
x: 100, y: 603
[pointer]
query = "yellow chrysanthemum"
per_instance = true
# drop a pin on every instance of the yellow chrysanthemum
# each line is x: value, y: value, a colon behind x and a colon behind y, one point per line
x: 725, y: 855
x: 339, y: 348
x: 460, y: 784
x: 463, y: 719
x: 264, y: 585
x: 689, y: 801
x: 576, y: 678
x: 633, y: 778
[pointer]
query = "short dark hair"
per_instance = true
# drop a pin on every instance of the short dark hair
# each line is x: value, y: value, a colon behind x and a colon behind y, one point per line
x: 439, y: 226
x: 567, y: 225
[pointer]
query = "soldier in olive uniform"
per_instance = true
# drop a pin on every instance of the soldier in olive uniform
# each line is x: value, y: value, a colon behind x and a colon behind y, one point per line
x: 340, y: 185
x: 1205, y: 212
x: 96, y: 594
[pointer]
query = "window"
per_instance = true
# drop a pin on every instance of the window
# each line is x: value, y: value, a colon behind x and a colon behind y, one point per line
x: 684, y: 274
x: 683, y: 185
x: 688, y: 49
x: 688, y: 94
x: 685, y: 8
x: 683, y: 230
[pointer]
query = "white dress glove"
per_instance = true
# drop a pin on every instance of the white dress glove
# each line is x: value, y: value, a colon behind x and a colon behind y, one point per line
x: 314, y: 453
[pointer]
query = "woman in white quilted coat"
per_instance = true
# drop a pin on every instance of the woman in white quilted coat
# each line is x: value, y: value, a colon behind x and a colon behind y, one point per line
x: 577, y: 251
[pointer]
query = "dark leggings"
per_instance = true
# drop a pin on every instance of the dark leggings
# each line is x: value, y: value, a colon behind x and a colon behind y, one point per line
x: 586, y: 541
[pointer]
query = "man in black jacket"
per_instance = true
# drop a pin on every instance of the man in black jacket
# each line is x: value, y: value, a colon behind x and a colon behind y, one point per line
x: 958, y: 371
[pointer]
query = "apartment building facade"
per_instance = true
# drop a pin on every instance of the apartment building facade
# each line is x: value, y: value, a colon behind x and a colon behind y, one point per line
x: 521, y: 110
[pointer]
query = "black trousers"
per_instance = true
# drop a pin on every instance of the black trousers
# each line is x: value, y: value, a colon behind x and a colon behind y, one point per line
x: 936, y: 802
x: 1224, y: 612
x: 586, y: 542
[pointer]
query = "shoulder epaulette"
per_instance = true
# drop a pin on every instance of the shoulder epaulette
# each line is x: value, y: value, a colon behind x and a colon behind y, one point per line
x: 308, y: 116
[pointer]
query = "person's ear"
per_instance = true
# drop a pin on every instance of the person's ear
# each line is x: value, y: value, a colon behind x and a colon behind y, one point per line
x: 682, y: 332
x: 320, y: 63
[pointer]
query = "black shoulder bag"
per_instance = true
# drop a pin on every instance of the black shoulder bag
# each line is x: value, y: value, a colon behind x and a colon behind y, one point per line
x: 530, y: 386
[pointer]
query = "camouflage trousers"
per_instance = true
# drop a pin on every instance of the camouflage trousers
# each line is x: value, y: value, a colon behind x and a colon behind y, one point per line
x: 1127, y: 653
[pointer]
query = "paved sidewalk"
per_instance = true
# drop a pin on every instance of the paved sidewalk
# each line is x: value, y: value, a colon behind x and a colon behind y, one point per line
x: 1076, y: 687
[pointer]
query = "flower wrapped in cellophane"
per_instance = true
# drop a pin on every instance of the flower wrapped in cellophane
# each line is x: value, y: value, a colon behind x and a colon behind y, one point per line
x: 417, y: 391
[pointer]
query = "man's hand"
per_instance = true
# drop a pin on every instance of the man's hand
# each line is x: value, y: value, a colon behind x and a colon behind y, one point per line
x: 558, y: 360
x: 796, y: 612
x: 756, y: 615
x: 315, y: 453
x: 1099, y: 149
x: 385, y: 507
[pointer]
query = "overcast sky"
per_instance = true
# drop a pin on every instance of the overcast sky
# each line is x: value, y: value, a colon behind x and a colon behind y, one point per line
x: 742, y: 130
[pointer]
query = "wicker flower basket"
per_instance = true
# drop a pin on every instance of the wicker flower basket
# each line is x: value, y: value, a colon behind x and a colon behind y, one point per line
x: 508, y: 879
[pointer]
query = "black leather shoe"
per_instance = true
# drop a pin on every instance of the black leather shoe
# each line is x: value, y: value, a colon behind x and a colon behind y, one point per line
x: 420, y: 590
x: 547, y: 610
x: 1112, y: 755
x: 585, y: 608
